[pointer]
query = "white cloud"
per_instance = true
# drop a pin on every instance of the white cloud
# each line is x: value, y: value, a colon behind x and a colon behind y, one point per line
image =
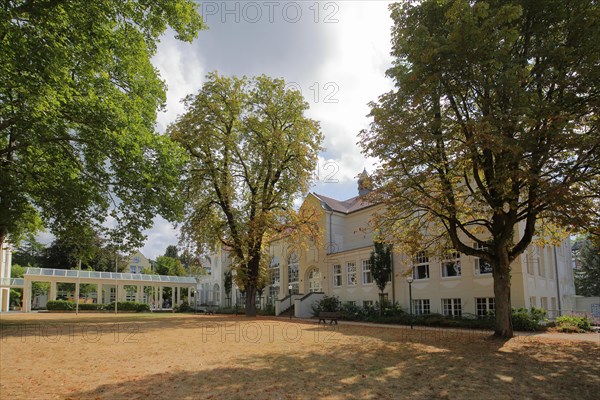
x: 182, y: 69
x: 344, y: 69
x: 160, y: 236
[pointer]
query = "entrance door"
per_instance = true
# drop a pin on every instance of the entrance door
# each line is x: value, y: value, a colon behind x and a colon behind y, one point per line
x: 314, y: 281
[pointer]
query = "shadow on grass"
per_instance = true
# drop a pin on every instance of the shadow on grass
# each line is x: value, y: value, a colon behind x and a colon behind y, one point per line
x: 375, y: 364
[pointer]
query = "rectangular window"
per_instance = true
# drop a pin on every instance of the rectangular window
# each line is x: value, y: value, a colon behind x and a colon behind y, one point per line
x: 452, y: 307
x: 484, y: 305
x: 482, y: 267
x: 337, y: 275
x: 421, y: 266
x: 133, y: 269
x: 421, y: 307
x: 351, y: 269
x: 367, y: 303
x: 451, y: 264
x: 532, y: 301
x: 541, y: 266
x: 366, y: 272
x: 273, y: 294
x: 553, y: 304
x: 544, y: 303
x: 529, y: 261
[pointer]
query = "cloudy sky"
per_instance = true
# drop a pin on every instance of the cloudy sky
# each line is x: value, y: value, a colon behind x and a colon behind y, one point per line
x: 335, y: 52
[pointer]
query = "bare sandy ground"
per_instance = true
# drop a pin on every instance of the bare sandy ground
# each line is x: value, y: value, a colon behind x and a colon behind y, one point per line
x: 103, y: 356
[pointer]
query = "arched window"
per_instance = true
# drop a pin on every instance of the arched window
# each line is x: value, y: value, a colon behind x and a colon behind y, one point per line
x: 216, y: 294
x: 293, y: 272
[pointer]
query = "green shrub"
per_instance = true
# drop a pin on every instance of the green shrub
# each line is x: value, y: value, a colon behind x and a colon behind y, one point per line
x: 93, y: 306
x: 184, y: 307
x: 528, y: 320
x: 53, y: 305
x: 327, y: 303
x: 269, y: 309
x: 127, y: 306
x: 573, y: 323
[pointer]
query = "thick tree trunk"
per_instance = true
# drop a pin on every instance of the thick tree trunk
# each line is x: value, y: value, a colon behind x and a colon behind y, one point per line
x: 251, y: 301
x: 503, y: 309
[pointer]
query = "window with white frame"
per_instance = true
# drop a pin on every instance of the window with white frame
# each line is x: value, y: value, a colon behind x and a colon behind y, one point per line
x: 452, y: 307
x: 367, y: 303
x: 337, y: 275
x: 273, y: 294
x: 529, y: 261
x: 482, y: 267
x: 351, y: 271
x: 421, y: 266
x: 451, y: 264
x: 274, y: 280
x: 485, y: 305
x: 541, y: 265
x: 421, y: 306
x: 532, y: 301
x: 544, y: 303
x: 366, y: 272
x: 293, y: 267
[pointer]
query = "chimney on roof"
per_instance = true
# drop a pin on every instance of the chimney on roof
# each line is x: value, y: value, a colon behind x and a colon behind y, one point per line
x: 365, y: 183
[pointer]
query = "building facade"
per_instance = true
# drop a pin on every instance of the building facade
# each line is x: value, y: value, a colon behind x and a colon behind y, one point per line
x: 451, y: 284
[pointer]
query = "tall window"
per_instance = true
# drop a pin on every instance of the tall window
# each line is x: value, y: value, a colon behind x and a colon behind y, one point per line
x: 532, y: 301
x: 314, y: 281
x: 421, y: 266
x: 544, y: 303
x: 216, y: 294
x: 337, y: 275
x: 421, y: 306
x: 452, y: 307
x: 274, y: 280
x: 451, y: 264
x: 366, y: 271
x: 482, y: 267
x: 351, y: 270
x: 484, y: 305
x: 529, y: 261
x: 293, y: 267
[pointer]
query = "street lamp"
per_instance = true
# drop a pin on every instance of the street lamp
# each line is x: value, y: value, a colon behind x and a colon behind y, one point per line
x: 290, y: 293
x: 410, y: 281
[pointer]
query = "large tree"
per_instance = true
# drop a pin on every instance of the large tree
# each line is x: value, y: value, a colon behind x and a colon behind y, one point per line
x: 252, y: 151
x: 587, y: 275
x: 78, y: 103
x: 492, y: 132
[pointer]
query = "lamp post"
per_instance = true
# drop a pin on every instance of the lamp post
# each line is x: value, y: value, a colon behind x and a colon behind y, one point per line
x: 410, y: 281
x: 290, y: 292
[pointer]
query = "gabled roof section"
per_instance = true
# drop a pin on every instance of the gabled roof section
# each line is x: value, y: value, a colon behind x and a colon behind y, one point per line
x: 346, y: 206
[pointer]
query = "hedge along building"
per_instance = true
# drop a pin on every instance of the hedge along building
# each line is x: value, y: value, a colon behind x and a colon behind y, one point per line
x: 452, y: 284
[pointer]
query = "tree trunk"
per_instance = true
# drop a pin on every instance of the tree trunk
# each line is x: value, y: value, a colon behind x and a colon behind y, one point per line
x: 503, y: 309
x: 251, y: 301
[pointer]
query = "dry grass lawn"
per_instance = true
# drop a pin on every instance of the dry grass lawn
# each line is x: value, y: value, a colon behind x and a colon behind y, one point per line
x: 96, y: 356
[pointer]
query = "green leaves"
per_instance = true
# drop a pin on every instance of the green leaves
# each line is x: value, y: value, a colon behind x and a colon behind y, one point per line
x: 251, y: 152
x: 78, y: 102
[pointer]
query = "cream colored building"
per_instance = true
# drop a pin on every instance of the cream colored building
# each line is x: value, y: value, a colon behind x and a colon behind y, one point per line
x: 137, y: 263
x: 456, y: 285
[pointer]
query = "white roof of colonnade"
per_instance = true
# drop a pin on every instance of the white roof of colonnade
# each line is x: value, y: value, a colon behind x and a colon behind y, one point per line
x: 71, y: 275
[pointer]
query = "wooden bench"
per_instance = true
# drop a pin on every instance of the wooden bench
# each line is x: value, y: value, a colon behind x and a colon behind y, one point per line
x: 332, y: 316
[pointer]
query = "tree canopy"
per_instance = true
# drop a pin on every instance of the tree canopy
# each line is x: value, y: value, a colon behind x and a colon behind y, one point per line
x: 252, y: 152
x: 78, y: 103
x: 492, y: 132
x: 587, y: 275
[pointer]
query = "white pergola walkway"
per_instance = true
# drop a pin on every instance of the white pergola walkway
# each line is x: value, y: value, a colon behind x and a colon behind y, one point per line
x: 109, y: 279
